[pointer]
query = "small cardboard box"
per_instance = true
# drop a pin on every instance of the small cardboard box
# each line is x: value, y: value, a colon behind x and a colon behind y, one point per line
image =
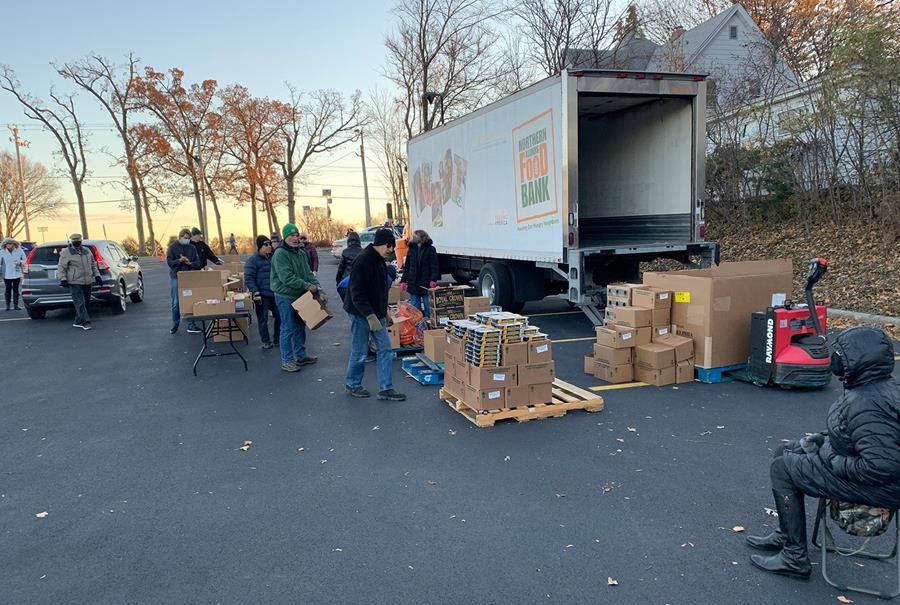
x: 237, y: 333
x: 590, y: 362
x: 536, y: 373
x: 396, y: 294
x: 455, y: 386
x: 634, y: 317
x: 516, y: 397
x: 642, y: 336
x: 454, y: 347
x: 621, y: 291
x: 649, y: 297
x: 684, y: 347
x: 311, y: 310
x: 616, y: 374
x: 242, y: 302
x: 658, y: 332
x: 615, y: 336
x: 684, y: 371
x: 661, y: 317
x: 485, y: 399
x: 614, y: 357
x: 435, y: 344
x: 654, y: 356
x: 540, y: 351
x: 449, y: 369
x: 447, y: 302
x: 476, y: 304
x: 489, y: 378
x: 513, y: 355
x: 540, y: 393
x: 612, y: 301
x: 206, y: 308
x: 655, y: 377
x: 393, y: 331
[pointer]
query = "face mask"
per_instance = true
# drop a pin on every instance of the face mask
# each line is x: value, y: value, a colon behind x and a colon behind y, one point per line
x: 76, y: 244
x: 184, y: 241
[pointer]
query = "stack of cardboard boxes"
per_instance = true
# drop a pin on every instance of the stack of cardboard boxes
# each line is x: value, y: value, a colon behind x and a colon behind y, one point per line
x: 447, y: 303
x: 215, y: 292
x: 637, y: 340
x: 523, y: 374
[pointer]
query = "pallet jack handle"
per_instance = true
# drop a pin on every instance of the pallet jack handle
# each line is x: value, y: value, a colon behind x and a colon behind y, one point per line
x: 817, y: 268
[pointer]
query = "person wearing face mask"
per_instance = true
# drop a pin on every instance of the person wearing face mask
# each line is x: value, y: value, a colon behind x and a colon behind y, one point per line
x: 420, y: 270
x: 77, y: 271
x: 290, y: 278
x: 204, y: 252
x: 857, y: 460
x: 12, y: 259
x: 182, y: 256
x: 366, y: 302
x: 257, y: 272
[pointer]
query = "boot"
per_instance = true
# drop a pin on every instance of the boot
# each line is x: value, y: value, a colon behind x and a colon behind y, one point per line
x: 793, y: 560
x: 772, y: 542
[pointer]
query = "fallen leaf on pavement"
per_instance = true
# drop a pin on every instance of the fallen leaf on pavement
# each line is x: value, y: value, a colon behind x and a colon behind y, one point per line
x: 301, y: 449
x: 737, y: 529
x: 506, y: 459
x: 432, y: 483
x: 560, y: 495
x: 42, y: 515
x: 611, y: 582
x: 632, y: 429
x: 771, y: 512
x: 844, y: 599
x: 376, y: 427
x: 246, y: 446
x: 620, y: 440
x: 323, y: 461
x: 338, y: 550
x: 569, y: 545
x: 452, y: 432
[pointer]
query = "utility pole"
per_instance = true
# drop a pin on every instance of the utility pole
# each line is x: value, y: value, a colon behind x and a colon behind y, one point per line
x: 43, y: 232
x: 104, y: 232
x: 18, y: 144
x: 362, y: 155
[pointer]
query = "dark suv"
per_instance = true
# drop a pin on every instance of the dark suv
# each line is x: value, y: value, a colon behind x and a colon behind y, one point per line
x: 120, y: 272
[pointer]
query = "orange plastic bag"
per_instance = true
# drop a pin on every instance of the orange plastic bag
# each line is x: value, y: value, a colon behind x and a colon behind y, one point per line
x: 412, y: 330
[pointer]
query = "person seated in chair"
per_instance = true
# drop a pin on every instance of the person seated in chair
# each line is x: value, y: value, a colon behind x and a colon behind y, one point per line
x: 857, y: 460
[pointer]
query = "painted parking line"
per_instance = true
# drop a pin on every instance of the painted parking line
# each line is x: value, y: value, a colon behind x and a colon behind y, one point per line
x: 575, y: 339
x: 613, y: 387
x: 15, y: 319
x: 556, y: 313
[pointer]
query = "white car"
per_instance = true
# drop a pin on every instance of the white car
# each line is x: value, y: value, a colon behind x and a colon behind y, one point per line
x: 366, y: 237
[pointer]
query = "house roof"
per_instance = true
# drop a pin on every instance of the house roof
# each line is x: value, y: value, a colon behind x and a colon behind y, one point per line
x: 632, y: 53
x: 689, y: 44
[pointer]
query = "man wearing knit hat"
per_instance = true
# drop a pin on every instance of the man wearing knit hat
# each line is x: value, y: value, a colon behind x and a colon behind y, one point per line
x: 257, y: 273
x: 290, y: 278
x: 366, y: 302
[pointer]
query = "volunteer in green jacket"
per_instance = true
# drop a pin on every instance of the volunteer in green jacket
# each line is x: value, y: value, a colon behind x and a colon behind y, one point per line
x: 291, y: 277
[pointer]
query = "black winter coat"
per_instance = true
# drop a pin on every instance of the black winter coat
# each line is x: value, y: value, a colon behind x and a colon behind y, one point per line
x: 420, y: 267
x: 205, y: 253
x: 348, y: 255
x: 859, y: 461
x: 367, y: 291
x: 257, y: 274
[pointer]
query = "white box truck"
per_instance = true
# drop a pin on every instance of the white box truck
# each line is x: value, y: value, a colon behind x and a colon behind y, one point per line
x: 567, y: 185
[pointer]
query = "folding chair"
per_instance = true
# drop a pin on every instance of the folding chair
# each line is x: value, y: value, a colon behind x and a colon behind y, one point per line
x: 828, y: 545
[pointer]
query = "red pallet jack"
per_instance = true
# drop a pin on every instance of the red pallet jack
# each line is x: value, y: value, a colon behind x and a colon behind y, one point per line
x: 788, y: 347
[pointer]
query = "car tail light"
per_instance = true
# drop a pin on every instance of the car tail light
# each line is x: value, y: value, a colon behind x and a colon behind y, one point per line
x: 101, y: 263
x: 26, y: 292
x: 699, y: 78
x: 28, y: 261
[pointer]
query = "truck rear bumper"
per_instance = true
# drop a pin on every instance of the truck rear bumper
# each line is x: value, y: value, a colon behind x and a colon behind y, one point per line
x: 703, y: 249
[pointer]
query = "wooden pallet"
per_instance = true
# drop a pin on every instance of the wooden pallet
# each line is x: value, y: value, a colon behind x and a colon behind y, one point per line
x: 566, y: 397
x: 714, y: 375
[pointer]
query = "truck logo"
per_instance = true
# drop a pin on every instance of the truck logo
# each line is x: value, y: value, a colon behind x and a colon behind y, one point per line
x: 535, y: 163
x: 770, y: 337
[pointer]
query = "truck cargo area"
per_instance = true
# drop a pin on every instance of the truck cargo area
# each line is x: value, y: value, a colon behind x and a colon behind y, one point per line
x: 635, y: 160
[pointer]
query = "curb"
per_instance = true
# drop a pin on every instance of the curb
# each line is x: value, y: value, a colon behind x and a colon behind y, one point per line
x: 864, y: 317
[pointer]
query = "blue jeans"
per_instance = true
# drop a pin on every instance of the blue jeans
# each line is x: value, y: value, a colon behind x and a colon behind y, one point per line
x: 176, y: 308
x: 359, y: 349
x: 292, y: 341
x: 421, y: 303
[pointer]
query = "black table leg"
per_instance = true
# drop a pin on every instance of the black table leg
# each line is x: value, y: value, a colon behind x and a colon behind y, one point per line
x: 231, y: 340
x: 206, y: 331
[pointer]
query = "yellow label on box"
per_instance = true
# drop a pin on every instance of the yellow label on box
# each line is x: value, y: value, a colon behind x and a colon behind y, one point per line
x: 683, y: 297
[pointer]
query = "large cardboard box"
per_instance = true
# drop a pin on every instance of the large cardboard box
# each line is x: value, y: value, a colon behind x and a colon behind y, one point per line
x: 684, y: 371
x: 615, y: 336
x: 435, y: 344
x: 540, y: 351
x: 446, y: 303
x: 658, y: 378
x: 615, y: 374
x: 536, y: 373
x: 661, y: 317
x: 684, y: 347
x: 237, y: 333
x: 649, y: 297
x: 611, y: 356
x: 642, y: 335
x: 516, y: 397
x: 540, y: 393
x: 654, y: 355
x: 489, y: 378
x: 485, y: 399
x: 476, y: 304
x: 634, y: 317
x: 207, y: 308
x: 311, y: 310
x: 714, y: 306
x: 194, y: 286
x: 513, y: 355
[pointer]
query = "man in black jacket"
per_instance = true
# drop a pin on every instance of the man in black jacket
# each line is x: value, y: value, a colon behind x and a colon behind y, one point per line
x: 257, y: 273
x: 366, y: 303
x: 857, y: 460
x: 203, y: 250
x: 181, y: 256
x: 420, y: 270
x: 348, y: 255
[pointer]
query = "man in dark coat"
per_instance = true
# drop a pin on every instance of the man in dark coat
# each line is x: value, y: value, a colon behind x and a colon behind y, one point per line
x: 311, y: 253
x: 420, y: 270
x: 366, y: 303
x: 181, y: 256
x: 203, y: 250
x: 348, y: 255
x: 857, y: 460
x: 257, y: 271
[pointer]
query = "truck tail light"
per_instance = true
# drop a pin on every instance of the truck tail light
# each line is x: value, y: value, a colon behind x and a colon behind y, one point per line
x: 640, y: 76
x: 702, y: 231
x: 571, y: 238
x: 699, y: 78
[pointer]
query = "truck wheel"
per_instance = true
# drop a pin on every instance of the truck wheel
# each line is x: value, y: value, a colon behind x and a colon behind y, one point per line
x: 461, y: 277
x: 495, y: 283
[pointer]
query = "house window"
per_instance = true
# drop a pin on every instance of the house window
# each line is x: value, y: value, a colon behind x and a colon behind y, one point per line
x: 732, y: 32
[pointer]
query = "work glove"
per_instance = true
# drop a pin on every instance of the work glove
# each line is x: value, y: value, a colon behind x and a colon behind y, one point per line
x: 98, y: 280
x: 322, y: 298
x: 312, y: 288
x: 432, y: 284
x: 64, y: 283
x: 403, y: 286
x: 812, y: 442
x: 257, y: 297
x: 374, y: 323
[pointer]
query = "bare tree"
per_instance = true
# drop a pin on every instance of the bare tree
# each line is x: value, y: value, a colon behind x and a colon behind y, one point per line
x: 113, y: 87
x: 41, y: 192
x: 310, y: 124
x: 389, y: 145
x: 63, y: 123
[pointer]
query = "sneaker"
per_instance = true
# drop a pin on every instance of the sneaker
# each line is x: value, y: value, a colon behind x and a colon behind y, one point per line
x: 88, y: 324
x: 391, y: 395
x: 174, y: 329
x: 193, y: 330
x: 290, y: 367
x: 307, y: 361
x: 82, y: 326
x: 18, y: 308
x: 267, y: 345
x: 359, y: 392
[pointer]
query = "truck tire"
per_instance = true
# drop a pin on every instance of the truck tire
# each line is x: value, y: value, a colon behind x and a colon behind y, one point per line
x: 461, y: 277
x: 495, y: 283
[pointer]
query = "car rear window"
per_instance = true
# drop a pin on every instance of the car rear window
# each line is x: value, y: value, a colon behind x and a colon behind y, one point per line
x: 366, y: 238
x: 48, y: 255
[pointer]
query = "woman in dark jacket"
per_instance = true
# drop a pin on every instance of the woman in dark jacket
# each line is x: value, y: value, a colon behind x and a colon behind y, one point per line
x: 420, y: 270
x: 348, y: 255
x: 857, y: 460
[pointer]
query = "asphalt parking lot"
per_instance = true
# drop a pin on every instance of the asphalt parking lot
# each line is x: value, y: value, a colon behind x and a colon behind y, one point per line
x: 149, y: 498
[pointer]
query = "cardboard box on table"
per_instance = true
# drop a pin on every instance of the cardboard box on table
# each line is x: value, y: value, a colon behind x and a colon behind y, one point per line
x: 634, y: 317
x: 714, y: 306
x: 311, y: 310
x: 212, y: 307
x: 434, y: 344
x: 196, y: 286
x: 476, y: 304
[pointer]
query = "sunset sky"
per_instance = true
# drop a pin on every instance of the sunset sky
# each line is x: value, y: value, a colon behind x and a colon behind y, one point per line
x: 337, y: 44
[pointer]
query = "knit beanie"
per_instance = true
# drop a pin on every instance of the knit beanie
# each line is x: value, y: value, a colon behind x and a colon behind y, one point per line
x: 261, y: 241
x: 384, y: 236
x: 288, y: 229
x: 196, y: 231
